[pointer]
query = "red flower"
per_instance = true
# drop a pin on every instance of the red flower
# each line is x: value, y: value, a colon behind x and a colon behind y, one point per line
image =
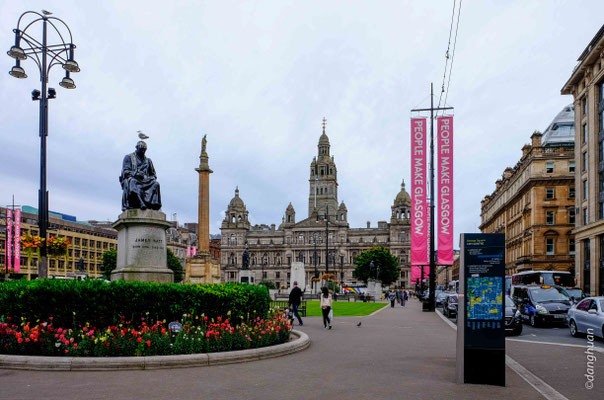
x: 140, y: 339
x: 148, y: 343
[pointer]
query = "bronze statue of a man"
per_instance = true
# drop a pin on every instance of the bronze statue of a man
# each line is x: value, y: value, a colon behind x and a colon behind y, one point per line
x: 139, y: 182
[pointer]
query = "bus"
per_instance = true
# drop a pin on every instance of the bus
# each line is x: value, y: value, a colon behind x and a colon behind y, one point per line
x: 559, y: 278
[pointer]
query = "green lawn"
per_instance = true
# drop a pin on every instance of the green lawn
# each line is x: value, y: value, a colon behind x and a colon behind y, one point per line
x: 344, y: 308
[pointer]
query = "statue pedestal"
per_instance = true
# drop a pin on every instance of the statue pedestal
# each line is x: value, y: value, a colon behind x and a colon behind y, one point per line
x: 246, y: 276
x: 374, y: 288
x: 297, y: 275
x: 141, y: 247
x: 202, y: 269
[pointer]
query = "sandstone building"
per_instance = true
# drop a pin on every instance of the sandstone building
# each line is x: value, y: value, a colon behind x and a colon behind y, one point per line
x: 88, y: 242
x: 586, y: 84
x: 272, y: 249
x: 534, y: 203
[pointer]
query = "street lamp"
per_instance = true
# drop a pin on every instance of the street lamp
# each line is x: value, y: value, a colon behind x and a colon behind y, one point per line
x: 314, y: 236
x: 26, y: 46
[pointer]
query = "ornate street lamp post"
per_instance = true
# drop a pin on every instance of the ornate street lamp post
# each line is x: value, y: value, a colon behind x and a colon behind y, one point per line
x: 62, y: 53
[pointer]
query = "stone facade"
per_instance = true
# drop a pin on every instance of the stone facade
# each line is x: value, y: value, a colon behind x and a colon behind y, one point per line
x: 534, y: 202
x: 272, y: 249
x: 586, y: 85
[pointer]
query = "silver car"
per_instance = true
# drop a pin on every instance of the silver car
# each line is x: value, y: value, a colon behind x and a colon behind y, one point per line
x: 587, y: 316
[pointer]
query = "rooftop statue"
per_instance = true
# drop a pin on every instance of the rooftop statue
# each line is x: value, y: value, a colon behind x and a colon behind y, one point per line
x: 139, y: 182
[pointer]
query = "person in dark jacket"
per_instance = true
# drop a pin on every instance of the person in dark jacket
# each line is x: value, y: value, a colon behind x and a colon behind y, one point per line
x: 295, y: 299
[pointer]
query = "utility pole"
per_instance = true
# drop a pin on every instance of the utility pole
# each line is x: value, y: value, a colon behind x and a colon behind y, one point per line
x: 432, y: 274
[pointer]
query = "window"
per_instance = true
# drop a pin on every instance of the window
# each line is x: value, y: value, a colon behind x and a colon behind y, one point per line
x: 584, y: 130
x: 549, y: 246
x: 585, y: 216
x: 585, y: 189
x: 571, y: 166
x: 549, y: 193
x: 571, y: 246
x: 549, y: 217
x: 571, y: 192
x: 571, y: 215
x: 584, y: 104
x: 600, y: 151
x: 549, y: 168
x: 585, y: 161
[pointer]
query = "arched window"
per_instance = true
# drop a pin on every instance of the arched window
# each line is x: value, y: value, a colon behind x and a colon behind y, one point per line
x: 289, y: 218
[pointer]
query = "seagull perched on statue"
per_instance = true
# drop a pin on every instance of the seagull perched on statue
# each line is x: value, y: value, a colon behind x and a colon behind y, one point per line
x: 46, y: 12
x: 141, y: 135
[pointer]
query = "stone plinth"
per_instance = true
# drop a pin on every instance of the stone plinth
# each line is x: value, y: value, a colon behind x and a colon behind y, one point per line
x: 202, y: 269
x: 297, y: 274
x: 374, y: 288
x: 141, y: 247
x: 246, y: 276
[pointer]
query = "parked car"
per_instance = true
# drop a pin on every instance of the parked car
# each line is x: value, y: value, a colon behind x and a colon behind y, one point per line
x: 587, y: 317
x: 440, y: 298
x: 450, y: 305
x: 513, y: 319
x: 574, y: 294
x: 541, y: 304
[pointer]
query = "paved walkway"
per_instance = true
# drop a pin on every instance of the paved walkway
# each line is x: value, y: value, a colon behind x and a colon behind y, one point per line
x: 399, y: 353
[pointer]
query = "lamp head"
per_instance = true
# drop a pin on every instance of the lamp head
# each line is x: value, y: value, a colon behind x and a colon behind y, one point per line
x: 52, y: 93
x: 17, y: 53
x: 35, y: 94
x: 71, y: 66
x: 67, y: 82
x: 17, y: 71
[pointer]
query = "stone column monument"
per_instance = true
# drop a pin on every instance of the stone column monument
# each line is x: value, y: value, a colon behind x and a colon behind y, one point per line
x: 141, y: 228
x: 297, y: 274
x: 202, y: 268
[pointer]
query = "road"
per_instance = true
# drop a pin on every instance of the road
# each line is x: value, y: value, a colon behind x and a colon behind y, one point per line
x: 558, y: 359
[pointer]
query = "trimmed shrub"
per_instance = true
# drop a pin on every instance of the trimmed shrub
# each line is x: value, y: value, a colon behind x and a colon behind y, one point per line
x: 71, y: 303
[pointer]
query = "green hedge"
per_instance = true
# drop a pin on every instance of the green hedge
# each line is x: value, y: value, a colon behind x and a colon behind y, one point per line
x: 72, y: 303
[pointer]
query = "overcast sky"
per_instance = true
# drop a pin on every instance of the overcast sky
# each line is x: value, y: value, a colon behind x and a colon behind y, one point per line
x: 258, y: 77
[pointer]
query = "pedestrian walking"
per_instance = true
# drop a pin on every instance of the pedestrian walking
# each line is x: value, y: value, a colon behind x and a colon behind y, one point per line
x: 403, y: 298
x: 392, y: 297
x: 326, y: 303
x: 295, y: 299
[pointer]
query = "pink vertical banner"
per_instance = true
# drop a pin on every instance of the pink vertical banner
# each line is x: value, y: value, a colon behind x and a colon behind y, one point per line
x: 428, y: 221
x: 444, y: 216
x: 194, y: 251
x: 188, y: 251
x: 9, y: 238
x: 419, y: 211
x: 17, y: 263
x: 416, y: 273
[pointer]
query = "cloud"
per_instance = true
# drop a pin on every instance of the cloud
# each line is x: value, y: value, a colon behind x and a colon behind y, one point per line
x: 258, y: 77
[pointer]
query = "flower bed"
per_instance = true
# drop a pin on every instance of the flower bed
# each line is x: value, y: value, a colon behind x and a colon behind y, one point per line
x: 199, y: 334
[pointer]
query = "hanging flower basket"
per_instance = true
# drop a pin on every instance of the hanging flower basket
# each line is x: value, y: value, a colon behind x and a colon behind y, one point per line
x: 315, y: 279
x: 328, y: 277
x: 31, y: 244
x: 58, y: 247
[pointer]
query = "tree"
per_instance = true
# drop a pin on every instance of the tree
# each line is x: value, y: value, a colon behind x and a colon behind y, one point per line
x: 268, y: 284
x: 109, y: 262
x: 175, y: 265
x: 382, y: 258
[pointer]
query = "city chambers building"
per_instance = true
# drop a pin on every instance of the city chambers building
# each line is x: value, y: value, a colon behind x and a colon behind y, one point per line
x: 311, y: 240
x: 534, y: 203
x: 586, y: 85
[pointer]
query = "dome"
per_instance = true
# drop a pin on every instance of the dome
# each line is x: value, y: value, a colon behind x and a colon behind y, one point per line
x: 562, y: 128
x: 323, y: 140
x: 402, y: 198
x: 236, y: 202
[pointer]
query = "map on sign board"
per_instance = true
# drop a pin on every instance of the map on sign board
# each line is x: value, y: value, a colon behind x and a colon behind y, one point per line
x: 484, y: 298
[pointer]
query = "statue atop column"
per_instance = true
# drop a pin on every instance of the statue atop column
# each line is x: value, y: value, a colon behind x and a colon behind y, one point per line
x: 139, y: 181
